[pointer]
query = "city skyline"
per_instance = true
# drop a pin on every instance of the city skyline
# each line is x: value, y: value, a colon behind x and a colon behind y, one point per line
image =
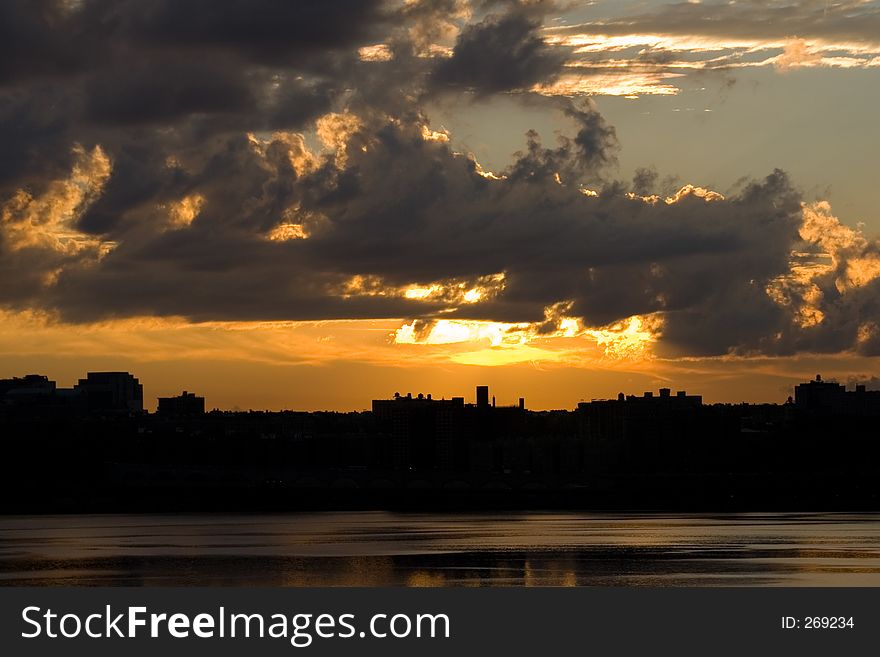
x: 181, y: 398
x: 283, y: 203
x: 92, y: 448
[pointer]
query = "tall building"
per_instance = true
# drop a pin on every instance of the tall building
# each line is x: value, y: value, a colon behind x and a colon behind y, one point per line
x: 818, y: 396
x: 424, y: 432
x: 650, y: 428
x: 112, y: 391
x: 482, y: 396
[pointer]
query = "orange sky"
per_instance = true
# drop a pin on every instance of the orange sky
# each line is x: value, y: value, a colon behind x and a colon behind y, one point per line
x: 343, y: 365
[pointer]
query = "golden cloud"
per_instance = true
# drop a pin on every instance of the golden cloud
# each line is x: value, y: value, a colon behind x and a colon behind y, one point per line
x: 836, y: 250
x: 47, y: 221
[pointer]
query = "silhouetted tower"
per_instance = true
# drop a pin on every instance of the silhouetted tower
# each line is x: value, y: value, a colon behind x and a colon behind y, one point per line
x: 482, y: 396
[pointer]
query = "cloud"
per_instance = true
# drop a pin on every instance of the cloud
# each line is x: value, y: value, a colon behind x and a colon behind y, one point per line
x: 833, y: 287
x: 749, y: 20
x: 796, y: 53
x: 503, y: 52
x: 250, y: 165
x: 83, y: 71
x: 38, y: 238
x: 652, y: 52
x: 265, y: 30
x: 46, y: 221
x: 405, y: 212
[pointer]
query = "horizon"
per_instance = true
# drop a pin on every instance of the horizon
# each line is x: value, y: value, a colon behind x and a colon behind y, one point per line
x: 417, y: 394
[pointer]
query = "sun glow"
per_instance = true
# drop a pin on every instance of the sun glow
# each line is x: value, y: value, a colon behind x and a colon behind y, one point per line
x: 688, y: 191
x: 631, y: 85
x: 453, y: 331
x: 452, y: 292
x: 435, y: 135
x: 630, y: 339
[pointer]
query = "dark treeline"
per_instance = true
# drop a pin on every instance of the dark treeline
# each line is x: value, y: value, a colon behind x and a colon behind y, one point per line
x: 95, y: 450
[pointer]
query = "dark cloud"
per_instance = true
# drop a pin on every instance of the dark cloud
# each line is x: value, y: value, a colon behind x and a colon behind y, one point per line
x: 408, y: 210
x: 644, y: 181
x: 40, y: 38
x: 270, y: 31
x: 35, y: 133
x: 165, y: 87
x: 158, y: 78
x: 158, y: 170
x: 503, y: 52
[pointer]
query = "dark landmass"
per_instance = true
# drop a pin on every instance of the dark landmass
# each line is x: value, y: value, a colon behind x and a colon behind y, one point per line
x: 93, y: 449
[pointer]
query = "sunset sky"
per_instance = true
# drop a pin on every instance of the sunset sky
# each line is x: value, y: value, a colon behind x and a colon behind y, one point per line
x: 312, y: 204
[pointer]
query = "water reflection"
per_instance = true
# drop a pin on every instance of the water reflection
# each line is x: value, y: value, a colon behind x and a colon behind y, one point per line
x: 374, y: 549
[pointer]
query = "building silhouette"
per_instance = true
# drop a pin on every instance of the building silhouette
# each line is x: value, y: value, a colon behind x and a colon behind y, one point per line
x: 829, y: 397
x: 423, y: 431
x: 819, y: 395
x: 112, y: 391
x: 482, y: 396
x: 648, y: 430
x: 17, y: 389
x: 37, y: 395
x: 92, y: 444
x: 183, y: 405
x: 447, y: 434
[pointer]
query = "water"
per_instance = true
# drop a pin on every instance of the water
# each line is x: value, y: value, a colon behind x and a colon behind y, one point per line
x: 378, y: 549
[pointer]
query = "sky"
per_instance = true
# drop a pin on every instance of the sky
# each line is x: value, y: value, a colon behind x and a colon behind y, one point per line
x: 309, y: 205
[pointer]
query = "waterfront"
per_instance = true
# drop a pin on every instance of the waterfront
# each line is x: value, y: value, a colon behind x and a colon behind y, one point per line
x: 396, y: 549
